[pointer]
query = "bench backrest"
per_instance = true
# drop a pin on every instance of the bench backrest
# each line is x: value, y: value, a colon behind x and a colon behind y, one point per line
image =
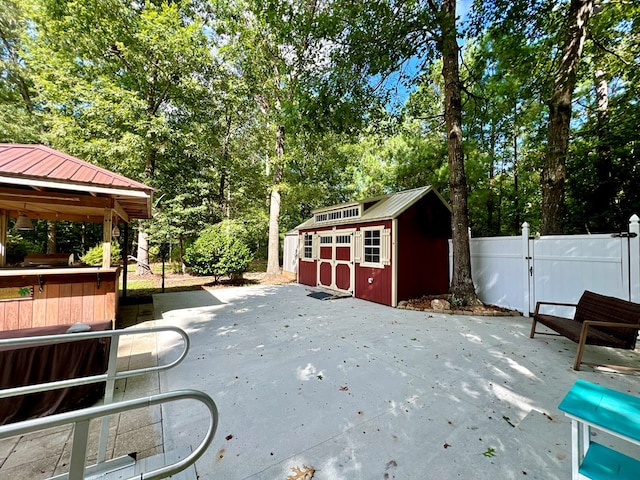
x: 593, y: 306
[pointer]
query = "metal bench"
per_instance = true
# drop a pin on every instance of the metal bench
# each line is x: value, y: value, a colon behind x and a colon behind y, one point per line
x: 598, y: 320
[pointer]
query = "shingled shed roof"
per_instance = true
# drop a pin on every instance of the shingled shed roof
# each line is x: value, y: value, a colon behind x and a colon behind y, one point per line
x: 51, y: 185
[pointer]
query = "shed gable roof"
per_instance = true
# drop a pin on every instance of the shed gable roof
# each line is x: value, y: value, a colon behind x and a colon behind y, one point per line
x: 386, y: 207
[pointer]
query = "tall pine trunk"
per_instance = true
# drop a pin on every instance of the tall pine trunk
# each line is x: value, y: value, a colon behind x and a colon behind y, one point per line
x: 553, y: 173
x: 52, y: 237
x: 273, y: 253
x: 224, y: 206
x: 462, y: 289
x: 602, y: 200
x: 142, y: 262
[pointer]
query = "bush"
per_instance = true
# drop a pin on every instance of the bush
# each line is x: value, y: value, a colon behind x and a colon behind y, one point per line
x: 219, y: 251
x: 94, y: 256
x: 18, y: 248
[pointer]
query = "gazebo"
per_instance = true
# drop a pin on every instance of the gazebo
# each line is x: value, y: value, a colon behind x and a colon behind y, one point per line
x: 37, y: 182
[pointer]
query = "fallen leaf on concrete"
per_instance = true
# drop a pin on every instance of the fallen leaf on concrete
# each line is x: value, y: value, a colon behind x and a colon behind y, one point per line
x: 304, y: 473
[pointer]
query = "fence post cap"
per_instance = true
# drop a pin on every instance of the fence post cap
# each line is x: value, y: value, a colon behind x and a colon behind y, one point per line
x: 634, y: 218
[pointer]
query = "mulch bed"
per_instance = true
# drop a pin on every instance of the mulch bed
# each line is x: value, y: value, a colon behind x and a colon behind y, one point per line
x: 442, y: 305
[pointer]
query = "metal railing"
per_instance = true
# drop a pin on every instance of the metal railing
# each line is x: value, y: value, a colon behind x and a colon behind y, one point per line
x: 81, y: 417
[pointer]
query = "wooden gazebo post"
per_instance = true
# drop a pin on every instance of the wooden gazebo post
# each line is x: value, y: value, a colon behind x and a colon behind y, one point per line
x: 3, y: 238
x: 106, y: 238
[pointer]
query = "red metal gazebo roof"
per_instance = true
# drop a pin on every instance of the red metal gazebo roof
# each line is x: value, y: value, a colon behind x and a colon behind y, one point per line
x: 40, y: 180
x: 39, y: 161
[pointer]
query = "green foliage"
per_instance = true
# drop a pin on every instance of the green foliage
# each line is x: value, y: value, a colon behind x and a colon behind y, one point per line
x: 490, y: 452
x: 186, y: 95
x: 94, y: 256
x: 19, y: 118
x: 18, y: 247
x: 220, y: 250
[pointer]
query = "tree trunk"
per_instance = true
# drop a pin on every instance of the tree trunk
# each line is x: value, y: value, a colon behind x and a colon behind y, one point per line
x: 52, y: 242
x: 15, y: 77
x: 183, y: 267
x: 553, y: 173
x: 602, y: 200
x: 462, y: 289
x: 142, y: 261
x: 492, y: 180
x: 273, y: 254
x: 516, y: 195
x: 222, y: 198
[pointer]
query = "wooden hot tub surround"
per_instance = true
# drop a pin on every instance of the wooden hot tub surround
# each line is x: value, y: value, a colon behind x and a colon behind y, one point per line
x: 39, y: 297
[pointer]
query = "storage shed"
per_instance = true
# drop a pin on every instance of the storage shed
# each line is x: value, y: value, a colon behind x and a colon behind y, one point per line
x: 384, y: 249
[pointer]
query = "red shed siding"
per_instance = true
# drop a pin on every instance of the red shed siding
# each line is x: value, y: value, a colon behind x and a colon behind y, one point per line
x: 423, y: 249
x: 307, y: 272
x: 423, y: 271
x: 343, y: 253
x: 343, y: 276
x: 379, y: 290
x: 325, y: 274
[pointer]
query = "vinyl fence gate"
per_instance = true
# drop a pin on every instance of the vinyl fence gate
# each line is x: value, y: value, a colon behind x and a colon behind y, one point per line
x: 517, y: 272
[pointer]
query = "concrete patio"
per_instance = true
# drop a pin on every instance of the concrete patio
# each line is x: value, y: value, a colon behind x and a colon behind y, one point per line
x: 354, y: 390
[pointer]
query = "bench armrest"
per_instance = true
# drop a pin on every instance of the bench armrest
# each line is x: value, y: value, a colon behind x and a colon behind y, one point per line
x: 597, y: 323
x: 558, y: 304
x: 585, y: 330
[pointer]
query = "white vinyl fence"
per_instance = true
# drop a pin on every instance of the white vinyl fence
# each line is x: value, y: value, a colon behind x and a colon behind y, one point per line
x: 516, y: 272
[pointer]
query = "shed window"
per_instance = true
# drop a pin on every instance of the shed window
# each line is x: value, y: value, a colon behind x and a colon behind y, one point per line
x: 326, y: 240
x: 351, y: 212
x: 343, y: 239
x: 372, y: 246
x: 308, y: 246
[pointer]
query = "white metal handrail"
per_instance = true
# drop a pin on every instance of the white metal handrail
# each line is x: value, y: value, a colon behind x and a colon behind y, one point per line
x: 110, y: 374
x: 81, y: 419
x: 109, y: 377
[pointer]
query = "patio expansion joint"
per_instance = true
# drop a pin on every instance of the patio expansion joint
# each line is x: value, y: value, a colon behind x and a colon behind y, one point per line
x: 325, y: 441
x: 15, y: 444
x: 62, y: 451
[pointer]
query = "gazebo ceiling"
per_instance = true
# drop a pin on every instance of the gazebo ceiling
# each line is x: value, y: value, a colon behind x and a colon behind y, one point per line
x: 51, y: 185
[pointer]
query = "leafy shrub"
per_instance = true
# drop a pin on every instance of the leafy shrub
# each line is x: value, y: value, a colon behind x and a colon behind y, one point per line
x: 18, y: 248
x: 94, y: 256
x: 219, y: 251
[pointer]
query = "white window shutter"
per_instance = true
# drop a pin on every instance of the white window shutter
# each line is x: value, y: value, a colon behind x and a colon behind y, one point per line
x: 301, y: 245
x: 357, y: 247
x: 385, y: 253
x: 316, y: 246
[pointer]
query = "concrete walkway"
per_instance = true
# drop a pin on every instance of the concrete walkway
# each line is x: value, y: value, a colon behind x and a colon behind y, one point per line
x: 353, y: 390
x: 344, y: 389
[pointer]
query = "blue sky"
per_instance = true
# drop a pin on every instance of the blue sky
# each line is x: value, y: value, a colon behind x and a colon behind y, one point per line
x: 400, y: 92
